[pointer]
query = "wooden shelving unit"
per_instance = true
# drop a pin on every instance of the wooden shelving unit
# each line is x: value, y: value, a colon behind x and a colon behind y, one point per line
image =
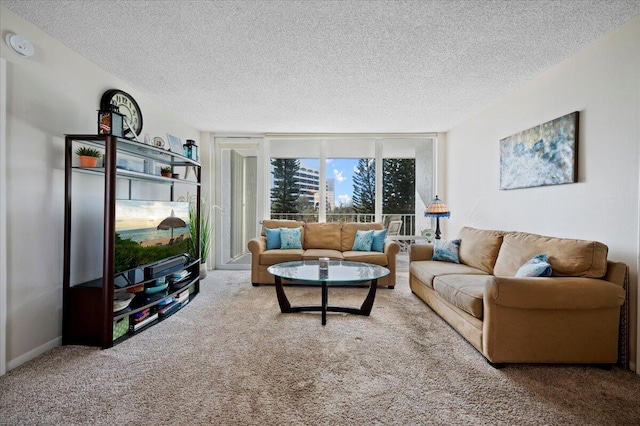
x: 88, y: 316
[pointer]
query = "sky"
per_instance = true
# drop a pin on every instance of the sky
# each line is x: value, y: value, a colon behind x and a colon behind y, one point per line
x: 138, y: 214
x: 342, y: 171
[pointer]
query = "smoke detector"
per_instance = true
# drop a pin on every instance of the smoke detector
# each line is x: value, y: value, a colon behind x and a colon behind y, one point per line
x: 20, y: 45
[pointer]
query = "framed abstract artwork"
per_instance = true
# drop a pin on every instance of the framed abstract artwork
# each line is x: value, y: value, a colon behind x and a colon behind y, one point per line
x: 543, y: 155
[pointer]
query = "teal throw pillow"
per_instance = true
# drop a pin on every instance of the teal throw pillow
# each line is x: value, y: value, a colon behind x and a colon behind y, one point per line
x: 378, y: 240
x: 273, y: 238
x: 363, y: 241
x: 538, y: 266
x: 290, y: 238
x: 446, y: 251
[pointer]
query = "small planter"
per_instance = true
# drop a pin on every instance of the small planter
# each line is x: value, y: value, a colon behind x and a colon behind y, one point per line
x: 166, y: 174
x: 203, y: 271
x: 87, y: 161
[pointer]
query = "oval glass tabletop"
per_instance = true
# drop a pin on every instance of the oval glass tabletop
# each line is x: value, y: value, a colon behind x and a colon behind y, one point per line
x: 338, y: 271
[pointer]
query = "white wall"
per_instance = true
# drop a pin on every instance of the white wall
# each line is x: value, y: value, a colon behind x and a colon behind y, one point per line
x: 603, y: 83
x: 53, y: 93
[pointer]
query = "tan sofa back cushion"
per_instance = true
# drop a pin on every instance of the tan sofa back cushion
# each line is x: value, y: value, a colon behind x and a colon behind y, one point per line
x: 568, y: 257
x: 322, y: 236
x: 479, y: 248
x: 349, y: 232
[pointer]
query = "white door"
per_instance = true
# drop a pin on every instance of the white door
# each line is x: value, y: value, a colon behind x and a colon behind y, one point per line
x: 237, y: 194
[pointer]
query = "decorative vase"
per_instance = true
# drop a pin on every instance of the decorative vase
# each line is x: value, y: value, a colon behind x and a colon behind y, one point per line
x: 203, y: 270
x: 87, y: 161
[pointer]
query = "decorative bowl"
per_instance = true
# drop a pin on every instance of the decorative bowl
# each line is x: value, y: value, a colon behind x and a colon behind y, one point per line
x: 121, y: 301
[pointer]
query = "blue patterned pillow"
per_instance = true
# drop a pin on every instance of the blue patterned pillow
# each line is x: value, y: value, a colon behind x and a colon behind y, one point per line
x: 446, y: 251
x: 538, y: 266
x: 290, y: 238
x: 273, y: 238
x: 378, y: 240
x: 363, y: 241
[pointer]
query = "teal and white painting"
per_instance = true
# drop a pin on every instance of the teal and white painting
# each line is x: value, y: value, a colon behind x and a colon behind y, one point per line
x: 543, y: 155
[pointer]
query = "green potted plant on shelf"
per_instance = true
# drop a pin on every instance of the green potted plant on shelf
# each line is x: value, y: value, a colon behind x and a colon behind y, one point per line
x: 165, y: 171
x: 88, y: 156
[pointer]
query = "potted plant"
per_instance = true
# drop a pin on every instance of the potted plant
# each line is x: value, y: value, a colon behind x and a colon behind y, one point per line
x: 205, y: 232
x: 88, y: 156
x: 165, y: 171
x: 205, y: 236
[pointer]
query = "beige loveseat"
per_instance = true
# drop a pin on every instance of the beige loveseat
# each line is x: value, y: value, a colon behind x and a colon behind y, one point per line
x: 570, y: 317
x: 332, y: 240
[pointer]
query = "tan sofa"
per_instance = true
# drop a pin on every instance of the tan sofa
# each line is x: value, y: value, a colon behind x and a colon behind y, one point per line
x: 332, y: 240
x: 570, y: 317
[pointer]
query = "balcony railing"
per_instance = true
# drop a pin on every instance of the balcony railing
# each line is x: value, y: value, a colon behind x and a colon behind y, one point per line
x: 408, y: 220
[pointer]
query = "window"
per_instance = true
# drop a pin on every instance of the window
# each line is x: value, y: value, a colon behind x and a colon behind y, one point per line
x: 338, y: 178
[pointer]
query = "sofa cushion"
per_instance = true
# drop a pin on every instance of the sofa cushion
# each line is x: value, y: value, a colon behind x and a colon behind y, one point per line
x: 363, y: 240
x: 463, y: 291
x: 568, y: 257
x: 446, y: 251
x: 281, y: 223
x: 273, y: 238
x: 271, y: 257
x: 479, y: 248
x: 378, y: 240
x: 349, y: 230
x: 322, y: 236
x: 291, y: 238
x: 536, y: 267
x: 373, y: 257
x: 315, y: 254
x: 427, y: 270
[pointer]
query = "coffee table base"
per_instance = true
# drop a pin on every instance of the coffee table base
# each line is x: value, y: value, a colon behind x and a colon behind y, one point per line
x: 286, y: 308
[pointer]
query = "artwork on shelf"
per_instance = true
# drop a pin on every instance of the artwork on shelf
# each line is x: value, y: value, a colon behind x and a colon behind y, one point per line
x: 543, y: 155
x: 158, y: 141
x: 175, y: 144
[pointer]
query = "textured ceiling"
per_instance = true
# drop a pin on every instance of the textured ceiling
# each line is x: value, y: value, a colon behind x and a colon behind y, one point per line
x: 325, y: 66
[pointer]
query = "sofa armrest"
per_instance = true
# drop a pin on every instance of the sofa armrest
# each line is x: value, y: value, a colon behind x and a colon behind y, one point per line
x: 391, y: 247
x: 420, y: 252
x: 257, y: 245
x: 553, y: 293
x: 617, y: 273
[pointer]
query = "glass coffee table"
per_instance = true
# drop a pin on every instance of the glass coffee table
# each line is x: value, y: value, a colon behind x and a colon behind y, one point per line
x: 338, y: 272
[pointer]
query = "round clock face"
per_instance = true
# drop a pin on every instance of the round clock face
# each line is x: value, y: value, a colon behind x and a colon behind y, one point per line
x: 127, y: 106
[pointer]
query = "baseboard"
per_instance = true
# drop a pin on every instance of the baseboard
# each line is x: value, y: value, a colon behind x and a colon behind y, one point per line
x: 16, y: 362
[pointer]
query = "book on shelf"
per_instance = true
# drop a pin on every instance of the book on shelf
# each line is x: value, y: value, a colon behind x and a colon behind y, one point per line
x: 182, y: 296
x: 168, y: 309
x: 144, y: 322
x: 177, y: 276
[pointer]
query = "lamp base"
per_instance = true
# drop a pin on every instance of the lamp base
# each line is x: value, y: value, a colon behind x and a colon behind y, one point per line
x: 437, y: 228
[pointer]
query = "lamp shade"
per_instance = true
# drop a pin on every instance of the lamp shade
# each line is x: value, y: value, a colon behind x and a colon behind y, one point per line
x: 437, y: 208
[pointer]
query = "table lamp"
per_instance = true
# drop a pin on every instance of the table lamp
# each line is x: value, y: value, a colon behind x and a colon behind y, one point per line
x: 437, y: 209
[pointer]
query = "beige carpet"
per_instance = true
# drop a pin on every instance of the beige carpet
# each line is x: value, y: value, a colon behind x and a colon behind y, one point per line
x: 230, y: 358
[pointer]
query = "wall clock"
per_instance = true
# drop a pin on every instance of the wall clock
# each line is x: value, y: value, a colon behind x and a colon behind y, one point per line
x: 127, y: 106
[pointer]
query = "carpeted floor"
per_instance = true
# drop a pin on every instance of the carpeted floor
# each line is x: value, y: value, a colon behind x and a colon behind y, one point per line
x: 230, y: 358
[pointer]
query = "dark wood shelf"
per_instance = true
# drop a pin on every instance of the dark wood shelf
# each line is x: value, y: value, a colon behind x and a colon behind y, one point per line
x: 88, y: 317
